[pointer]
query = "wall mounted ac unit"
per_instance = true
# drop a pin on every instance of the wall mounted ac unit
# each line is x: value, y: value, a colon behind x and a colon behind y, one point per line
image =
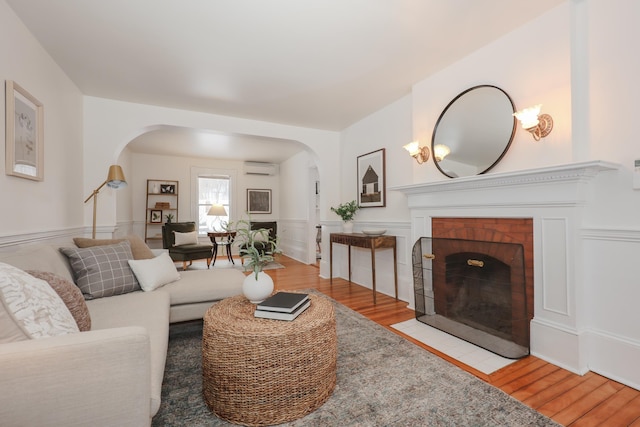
x: 260, y: 168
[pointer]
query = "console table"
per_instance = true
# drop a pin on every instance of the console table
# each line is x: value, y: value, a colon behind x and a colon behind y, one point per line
x: 365, y: 241
x: 226, y: 240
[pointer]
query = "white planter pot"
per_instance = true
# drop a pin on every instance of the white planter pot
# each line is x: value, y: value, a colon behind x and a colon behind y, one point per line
x: 258, y: 290
x: 347, y: 227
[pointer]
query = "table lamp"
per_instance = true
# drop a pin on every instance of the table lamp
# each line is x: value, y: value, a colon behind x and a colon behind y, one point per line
x: 217, y: 211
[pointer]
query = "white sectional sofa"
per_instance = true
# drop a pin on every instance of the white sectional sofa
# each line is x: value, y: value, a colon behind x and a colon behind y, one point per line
x: 110, y: 375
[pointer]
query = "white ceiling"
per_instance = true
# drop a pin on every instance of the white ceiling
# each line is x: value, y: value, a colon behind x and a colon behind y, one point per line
x: 315, y: 63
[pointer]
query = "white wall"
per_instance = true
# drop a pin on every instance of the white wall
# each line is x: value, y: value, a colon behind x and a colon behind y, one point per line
x: 297, y: 221
x: 390, y: 128
x: 531, y: 64
x: 612, y: 233
x: 55, y: 204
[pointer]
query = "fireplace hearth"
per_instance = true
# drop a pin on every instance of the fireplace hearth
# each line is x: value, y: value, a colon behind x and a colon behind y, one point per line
x: 474, y: 290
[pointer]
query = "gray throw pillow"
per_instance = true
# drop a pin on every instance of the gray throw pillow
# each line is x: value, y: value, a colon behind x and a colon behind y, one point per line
x: 102, y: 271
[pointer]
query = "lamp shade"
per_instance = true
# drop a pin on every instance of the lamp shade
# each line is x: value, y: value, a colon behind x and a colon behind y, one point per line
x: 115, y: 178
x: 217, y: 210
x: 413, y: 148
x: 529, y: 116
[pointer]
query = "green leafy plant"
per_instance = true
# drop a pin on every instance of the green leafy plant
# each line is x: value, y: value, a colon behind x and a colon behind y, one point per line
x: 169, y: 217
x: 346, y: 211
x: 257, y: 247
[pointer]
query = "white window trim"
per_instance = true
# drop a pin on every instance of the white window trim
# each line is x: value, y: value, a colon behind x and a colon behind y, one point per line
x: 197, y: 172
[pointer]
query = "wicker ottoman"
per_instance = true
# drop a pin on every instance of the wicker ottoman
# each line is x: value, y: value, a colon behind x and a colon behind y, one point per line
x: 264, y: 372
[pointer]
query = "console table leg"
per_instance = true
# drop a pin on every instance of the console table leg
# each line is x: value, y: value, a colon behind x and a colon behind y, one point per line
x: 373, y: 272
x: 331, y: 263
x: 395, y: 271
x: 349, y: 250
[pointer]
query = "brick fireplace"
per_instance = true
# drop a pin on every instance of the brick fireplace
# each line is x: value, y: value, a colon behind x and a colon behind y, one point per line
x: 544, y: 209
x: 499, y: 230
x: 474, y: 279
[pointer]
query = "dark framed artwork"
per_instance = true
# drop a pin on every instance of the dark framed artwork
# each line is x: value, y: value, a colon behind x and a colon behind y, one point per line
x: 155, y: 216
x: 372, y: 187
x: 167, y: 189
x: 24, y: 143
x: 258, y: 201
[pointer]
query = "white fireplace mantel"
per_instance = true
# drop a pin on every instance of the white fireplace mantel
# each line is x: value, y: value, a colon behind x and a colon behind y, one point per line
x: 569, y: 173
x: 557, y: 198
x: 555, y: 186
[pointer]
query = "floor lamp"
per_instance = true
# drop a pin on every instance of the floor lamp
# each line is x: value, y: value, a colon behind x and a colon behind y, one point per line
x: 115, y: 180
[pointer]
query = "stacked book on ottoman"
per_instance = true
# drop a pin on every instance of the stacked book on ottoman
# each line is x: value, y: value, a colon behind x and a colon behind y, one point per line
x: 283, y: 306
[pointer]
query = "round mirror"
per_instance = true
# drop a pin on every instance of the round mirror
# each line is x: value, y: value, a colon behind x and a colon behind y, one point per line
x: 473, y: 132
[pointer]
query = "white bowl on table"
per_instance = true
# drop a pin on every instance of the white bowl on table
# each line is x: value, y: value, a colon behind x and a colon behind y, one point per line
x: 374, y: 231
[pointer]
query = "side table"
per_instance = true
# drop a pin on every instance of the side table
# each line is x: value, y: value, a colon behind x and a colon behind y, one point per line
x: 362, y: 240
x: 213, y: 236
x: 263, y: 372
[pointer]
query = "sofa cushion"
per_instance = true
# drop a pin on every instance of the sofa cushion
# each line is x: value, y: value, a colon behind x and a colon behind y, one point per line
x: 102, y: 271
x: 71, y: 296
x: 156, y: 272
x: 30, y: 308
x: 197, y: 286
x: 189, y: 238
x: 139, y: 248
x: 42, y: 257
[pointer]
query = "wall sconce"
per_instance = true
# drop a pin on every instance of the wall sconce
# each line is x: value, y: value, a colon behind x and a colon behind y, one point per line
x: 440, y: 151
x: 421, y: 154
x: 115, y: 179
x: 539, y: 125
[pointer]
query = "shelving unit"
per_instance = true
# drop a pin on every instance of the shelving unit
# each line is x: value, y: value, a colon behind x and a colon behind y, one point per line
x: 162, y: 200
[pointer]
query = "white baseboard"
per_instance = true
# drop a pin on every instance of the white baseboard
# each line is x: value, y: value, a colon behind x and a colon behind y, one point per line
x: 615, y: 358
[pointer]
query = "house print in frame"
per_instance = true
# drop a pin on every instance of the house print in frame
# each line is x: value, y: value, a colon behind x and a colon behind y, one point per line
x: 371, y: 179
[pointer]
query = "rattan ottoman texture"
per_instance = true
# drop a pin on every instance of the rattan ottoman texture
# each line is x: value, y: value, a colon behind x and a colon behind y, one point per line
x: 263, y: 372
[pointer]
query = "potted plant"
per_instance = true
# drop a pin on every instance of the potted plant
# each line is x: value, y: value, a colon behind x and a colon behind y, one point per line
x: 169, y: 217
x: 257, y: 249
x: 346, y: 211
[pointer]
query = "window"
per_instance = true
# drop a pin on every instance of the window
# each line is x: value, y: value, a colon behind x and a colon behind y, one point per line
x: 212, y: 190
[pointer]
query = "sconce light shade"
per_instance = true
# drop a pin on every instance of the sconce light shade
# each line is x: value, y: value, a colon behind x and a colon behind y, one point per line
x: 421, y: 154
x: 217, y: 210
x: 440, y: 151
x: 539, y: 125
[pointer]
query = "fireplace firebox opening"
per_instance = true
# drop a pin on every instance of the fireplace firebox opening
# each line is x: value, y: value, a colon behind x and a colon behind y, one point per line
x: 474, y: 290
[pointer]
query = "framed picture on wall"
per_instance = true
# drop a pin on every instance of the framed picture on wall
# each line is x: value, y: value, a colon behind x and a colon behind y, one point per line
x: 372, y: 190
x: 24, y: 133
x: 258, y: 201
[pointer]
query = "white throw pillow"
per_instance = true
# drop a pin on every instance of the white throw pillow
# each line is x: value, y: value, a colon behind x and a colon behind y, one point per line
x: 30, y: 308
x: 156, y: 272
x: 190, y: 238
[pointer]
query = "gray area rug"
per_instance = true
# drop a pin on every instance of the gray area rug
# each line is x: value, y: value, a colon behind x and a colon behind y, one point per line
x: 383, y: 380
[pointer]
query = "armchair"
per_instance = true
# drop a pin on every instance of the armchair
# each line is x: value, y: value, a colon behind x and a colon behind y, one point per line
x: 187, y: 252
x: 272, y: 226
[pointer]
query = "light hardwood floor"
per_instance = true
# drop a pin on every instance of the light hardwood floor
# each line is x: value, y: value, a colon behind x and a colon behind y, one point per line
x: 567, y: 398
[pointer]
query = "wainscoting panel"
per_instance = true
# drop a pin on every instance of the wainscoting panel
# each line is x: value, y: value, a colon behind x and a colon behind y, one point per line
x: 293, y: 239
x: 554, y: 265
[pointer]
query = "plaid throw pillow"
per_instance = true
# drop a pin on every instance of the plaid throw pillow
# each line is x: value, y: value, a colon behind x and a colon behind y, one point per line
x: 102, y: 271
